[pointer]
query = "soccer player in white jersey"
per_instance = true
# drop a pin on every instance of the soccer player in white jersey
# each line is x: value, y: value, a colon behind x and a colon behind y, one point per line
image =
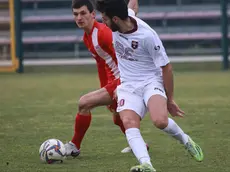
x: 146, y: 81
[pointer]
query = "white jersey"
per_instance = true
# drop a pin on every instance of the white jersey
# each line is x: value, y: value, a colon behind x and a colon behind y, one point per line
x: 140, y: 54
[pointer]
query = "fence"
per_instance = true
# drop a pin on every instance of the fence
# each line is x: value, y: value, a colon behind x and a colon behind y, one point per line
x: 47, y: 34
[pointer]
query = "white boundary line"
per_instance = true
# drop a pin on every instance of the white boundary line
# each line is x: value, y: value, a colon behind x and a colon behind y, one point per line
x: 89, y: 61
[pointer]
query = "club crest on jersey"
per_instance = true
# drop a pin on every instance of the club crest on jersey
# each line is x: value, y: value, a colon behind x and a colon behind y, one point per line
x: 134, y: 44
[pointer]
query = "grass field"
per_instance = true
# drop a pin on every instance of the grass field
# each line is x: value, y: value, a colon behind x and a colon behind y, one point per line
x: 35, y: 107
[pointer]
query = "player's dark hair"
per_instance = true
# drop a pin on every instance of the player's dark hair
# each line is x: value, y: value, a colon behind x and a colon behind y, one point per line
x: 79, y: 3
x: 113, y: 8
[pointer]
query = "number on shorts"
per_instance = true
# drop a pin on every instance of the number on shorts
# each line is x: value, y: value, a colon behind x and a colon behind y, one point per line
x: 121, y: 102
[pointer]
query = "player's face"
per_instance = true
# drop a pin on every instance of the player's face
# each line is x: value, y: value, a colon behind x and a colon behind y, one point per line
x: 83, y: 17
x: 110, y: 23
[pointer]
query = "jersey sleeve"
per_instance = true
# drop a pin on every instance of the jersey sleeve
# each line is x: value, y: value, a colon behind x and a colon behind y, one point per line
x: 105, y: 39
x: 131, y: 12
x: 155, y: 48
x: 102, y: 73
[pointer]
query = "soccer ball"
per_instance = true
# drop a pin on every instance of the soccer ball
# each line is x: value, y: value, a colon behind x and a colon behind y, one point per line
x: 52, y: 151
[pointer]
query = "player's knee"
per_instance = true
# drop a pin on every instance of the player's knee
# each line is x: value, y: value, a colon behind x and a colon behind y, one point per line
x: 84, y: 104
x: 161, y: 122
x: 129, y: 122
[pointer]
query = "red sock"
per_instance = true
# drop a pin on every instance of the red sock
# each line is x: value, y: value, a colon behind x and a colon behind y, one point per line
x: 117, y: 121
x: 82, y: 123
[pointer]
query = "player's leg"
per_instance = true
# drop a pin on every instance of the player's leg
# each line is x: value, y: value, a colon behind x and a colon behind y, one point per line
x: 116, y: 117
x: 117, y: 121
x: 131, y: 109
x: 111, y: 89
x: 83, y: 118
x: 156, y: 101
x: 131, y: 121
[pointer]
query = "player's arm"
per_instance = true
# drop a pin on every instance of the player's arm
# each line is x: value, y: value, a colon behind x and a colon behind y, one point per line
x: 173, y: 108
x: 167, y: 73
x: 156, y: 50
x: 160, y: 59
x: 133, y: 4
x: 100, y: 67
x: 105, y: 40
x: 102, y: 73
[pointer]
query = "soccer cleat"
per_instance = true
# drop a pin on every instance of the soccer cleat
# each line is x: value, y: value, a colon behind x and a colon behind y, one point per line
x: 71, y: 150
x: 194, y: 150
x: 143, y: 168
x: 128, y: 149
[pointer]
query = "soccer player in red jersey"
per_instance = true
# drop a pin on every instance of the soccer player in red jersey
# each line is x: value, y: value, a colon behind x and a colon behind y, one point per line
x: 98, y: 40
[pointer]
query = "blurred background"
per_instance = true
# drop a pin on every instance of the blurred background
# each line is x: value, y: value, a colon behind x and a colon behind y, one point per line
x: 46, y: 34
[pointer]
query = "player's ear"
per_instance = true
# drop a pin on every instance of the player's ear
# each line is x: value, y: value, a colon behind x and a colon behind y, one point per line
x: 115, y: 19
x: 93, y: 14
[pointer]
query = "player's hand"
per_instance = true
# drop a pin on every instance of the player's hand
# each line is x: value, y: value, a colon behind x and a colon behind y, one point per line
x: 174, y: 109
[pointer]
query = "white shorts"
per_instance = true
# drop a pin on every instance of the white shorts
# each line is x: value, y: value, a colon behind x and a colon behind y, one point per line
x: 134, y: 96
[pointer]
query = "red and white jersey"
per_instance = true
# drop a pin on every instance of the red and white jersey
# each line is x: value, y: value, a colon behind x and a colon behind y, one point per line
x: 99, y: 42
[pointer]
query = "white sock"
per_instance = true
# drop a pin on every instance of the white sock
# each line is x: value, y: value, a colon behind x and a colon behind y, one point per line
x: 138, y: 145
x: 175, y: 131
